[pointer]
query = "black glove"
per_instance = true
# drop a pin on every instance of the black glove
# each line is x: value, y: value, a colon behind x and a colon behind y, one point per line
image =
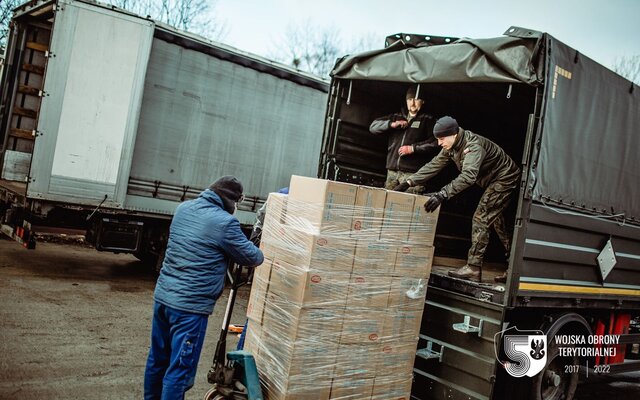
x: 402, y: 187
x: 435, y: 199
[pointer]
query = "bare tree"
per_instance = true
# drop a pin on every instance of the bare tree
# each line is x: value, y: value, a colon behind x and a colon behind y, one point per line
x: 315, y: 49
x: 629, y: 67
x: 6, y: 11
x: 189, y: 15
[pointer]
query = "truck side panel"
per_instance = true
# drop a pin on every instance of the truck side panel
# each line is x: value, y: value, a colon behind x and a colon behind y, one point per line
x: 203, y: 117
x: 88, y: 119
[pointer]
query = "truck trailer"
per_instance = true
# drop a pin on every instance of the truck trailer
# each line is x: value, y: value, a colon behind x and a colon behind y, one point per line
x: 109, y: 120
x: 574, y: 265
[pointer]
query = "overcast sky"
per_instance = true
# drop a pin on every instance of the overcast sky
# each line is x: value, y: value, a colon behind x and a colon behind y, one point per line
x: 601, y: 29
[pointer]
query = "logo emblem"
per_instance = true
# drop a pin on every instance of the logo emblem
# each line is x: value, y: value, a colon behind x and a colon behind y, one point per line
x: 526, y: 352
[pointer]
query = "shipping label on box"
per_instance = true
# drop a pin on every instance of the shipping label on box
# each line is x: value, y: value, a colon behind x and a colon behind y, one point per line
x: 351, y: 388
x: 401, y: 326
x: 327, y: 205
x: 423, y: 223
x: 407, y: 294
x: 259, y: 288
x: 293, y: 322
x: 375, y: 257
x: 397, y: 389
x: 310, y: 288
x: 362, y: 326
x: 357, y: 360
x: 398, y: 211
x: 368, y: 291
x: 318, y: 251
x: 413, y: 260
x: 368, y: 212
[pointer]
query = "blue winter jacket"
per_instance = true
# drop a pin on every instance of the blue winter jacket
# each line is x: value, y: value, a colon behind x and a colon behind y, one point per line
x: 202, y: 238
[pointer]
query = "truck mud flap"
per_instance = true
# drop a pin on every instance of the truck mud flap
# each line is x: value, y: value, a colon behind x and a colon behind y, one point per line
x: 456, y: 357
x: 119, y: 236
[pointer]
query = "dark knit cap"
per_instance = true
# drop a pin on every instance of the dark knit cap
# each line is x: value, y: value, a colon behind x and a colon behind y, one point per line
x: 412, y: 91
x: 445, y: 126
x: 230, y: 191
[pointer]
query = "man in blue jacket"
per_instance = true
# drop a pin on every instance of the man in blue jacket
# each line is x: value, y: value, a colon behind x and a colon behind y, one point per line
x: 203, y: 237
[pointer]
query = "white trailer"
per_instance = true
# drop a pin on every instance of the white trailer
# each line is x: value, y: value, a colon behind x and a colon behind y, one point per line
x: 109, y: 120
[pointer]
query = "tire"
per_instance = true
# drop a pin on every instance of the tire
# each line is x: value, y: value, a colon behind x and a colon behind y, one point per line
x: 213, y: 394
x: 553, y: 382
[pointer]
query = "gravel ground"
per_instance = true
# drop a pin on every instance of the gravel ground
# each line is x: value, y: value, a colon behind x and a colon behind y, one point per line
x: 75, y: 324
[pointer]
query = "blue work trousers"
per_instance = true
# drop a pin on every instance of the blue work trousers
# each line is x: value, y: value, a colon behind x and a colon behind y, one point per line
x: 176, y: 342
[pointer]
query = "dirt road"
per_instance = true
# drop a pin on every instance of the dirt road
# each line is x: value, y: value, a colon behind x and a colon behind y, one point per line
x: 75, y: 324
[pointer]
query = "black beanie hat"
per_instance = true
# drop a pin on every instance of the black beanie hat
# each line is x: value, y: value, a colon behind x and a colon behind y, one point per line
x: 412, y: 92
x: 445, y: 126
x: 230, y: 191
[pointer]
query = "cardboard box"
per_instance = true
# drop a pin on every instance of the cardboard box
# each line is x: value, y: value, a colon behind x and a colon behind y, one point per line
x: 293, y: 322
x: 311, y: 288
x: 398, y: 210
x: 362, y: 326
x: 312, y: 360
x: 413, y: 260
x: 423, y: 223
x: 368, y: 212
x: 351, y: 388
x: 370, y: 291
x: 357, y: 360
x: 297, y: 389
x: 401, y: 326
x: 316, y: 251
x: 376, y: 257
x: 397, y: 389
x: 259, y: 289
x: 326, y: 205
x: 407, y: 294
x: 253, y: 340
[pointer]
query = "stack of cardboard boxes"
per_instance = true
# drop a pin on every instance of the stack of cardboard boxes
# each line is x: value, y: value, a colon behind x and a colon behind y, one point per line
x: 335, y: 310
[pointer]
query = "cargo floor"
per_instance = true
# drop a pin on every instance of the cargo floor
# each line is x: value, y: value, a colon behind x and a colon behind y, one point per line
x: 486, y: 290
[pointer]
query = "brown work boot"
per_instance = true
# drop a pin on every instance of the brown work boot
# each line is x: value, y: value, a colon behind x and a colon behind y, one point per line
x: 501, y: 278
x: 471, y: 272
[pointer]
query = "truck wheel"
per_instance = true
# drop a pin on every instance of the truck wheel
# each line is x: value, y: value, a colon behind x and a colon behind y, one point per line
x: 559, y: 379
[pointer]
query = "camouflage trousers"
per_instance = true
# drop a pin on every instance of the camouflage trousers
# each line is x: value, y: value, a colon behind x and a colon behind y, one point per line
x: 490, y: 213
x: 394, y: 178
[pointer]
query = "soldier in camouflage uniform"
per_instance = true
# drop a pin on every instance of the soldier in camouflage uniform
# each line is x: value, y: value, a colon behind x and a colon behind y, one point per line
x: 484, y: 163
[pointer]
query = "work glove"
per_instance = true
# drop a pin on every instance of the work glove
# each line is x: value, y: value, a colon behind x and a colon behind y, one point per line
x: 399, y: 124
x: 402, y: 187
x: 435, y: 199
x: 405, y: 150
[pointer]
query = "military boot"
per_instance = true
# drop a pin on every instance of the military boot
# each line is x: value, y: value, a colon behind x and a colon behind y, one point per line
x: 501, y: 278
x: 471, y: 272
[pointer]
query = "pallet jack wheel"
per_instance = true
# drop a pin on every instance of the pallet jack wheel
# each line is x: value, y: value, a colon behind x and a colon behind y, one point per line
x: 213, y: 394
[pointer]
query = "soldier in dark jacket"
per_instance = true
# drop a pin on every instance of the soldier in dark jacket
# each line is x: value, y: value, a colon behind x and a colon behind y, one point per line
x: 481, y: 162
x: 203, y: 237
x: 411, y: 144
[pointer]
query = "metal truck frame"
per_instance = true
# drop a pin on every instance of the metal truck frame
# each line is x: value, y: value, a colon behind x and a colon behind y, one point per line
x: 574, y: 265
x: 108, y: 120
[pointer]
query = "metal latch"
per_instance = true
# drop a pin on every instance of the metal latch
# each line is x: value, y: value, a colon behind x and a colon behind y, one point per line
x: 429, y: 353
x: 466, y: 327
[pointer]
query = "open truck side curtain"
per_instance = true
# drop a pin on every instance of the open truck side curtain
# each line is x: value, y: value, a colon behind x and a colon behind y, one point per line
x: 110, y: 119
x: 574, y: 266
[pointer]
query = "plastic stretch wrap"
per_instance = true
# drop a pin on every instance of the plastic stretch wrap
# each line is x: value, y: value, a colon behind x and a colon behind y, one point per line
x: 335, y: 310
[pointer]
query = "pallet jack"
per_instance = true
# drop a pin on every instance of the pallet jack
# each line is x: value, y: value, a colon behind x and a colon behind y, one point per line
x: 234, y: 375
